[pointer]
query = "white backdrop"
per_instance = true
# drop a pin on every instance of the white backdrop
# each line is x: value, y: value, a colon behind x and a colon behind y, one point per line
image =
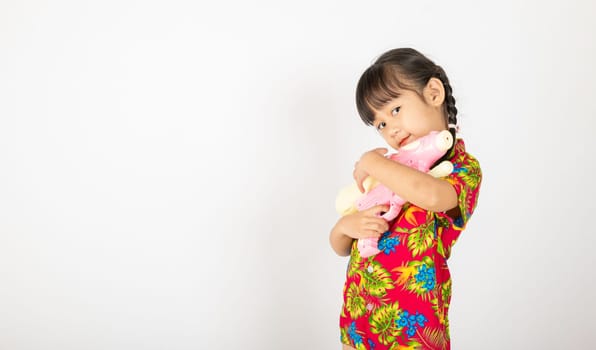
x: 168, y: 170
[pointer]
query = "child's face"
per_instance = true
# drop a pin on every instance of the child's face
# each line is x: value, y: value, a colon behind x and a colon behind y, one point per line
x: 410, y: 116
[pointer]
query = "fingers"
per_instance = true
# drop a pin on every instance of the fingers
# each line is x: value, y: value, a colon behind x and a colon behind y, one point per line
x: 359, y: 180
x: 368, y: 225
x: 383, y: 226
x: 371, y: 234
x: 365, y: 224
x: 360, y: 186
x: 378, y: 227
x: 374, y: 229
x: 375, y: 224
x: 381, y: 151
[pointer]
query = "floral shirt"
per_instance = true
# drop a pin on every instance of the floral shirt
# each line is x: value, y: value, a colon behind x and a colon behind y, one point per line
x: 399, y: 298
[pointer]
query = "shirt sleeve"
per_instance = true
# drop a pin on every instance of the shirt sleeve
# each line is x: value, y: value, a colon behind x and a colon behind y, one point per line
x: 465, y: 179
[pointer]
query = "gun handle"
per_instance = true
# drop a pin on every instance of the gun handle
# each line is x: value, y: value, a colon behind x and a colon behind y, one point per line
x: 368, y: 247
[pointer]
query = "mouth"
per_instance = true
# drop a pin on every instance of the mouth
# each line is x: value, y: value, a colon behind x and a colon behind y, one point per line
x: 404, y: 141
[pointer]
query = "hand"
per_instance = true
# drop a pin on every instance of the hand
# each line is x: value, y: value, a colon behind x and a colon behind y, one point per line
x: 364, y: 224
x: 359, y: 173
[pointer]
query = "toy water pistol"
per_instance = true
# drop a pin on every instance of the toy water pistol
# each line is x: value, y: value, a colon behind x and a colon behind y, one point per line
x: 420, y: 154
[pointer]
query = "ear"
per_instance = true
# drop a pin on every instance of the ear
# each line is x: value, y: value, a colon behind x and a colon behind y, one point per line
x: 434, y: 92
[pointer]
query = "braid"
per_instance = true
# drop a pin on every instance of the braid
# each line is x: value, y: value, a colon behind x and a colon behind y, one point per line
x: 450, y: 108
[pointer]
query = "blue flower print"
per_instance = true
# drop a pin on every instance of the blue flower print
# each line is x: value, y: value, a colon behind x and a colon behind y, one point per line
x: 459, y: 221
x: 420, y: 320
x: 387, y: 244
x: 403, y: 319
x: 427, y: 276
x: 356, y: 338
x: 411, y: 321
x: 459, y: 169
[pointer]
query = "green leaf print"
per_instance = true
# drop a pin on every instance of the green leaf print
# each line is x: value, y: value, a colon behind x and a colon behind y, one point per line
x: 382, y: 322
x: 462, y: 200
x: 355, y: 304
x: 433, y: 338
x: 418, y: 277
x: 440, y: 248
x: 438, y: 310
x: 472, y: 174
x: 441, y: 306
x: 446, y: 292
x: 344, y: 336
x: 442, y: 222
x: 377, y: 280
x: 412, y: 345
x: 355, y: 261
x: 421, y: 238
x: 402, y: 229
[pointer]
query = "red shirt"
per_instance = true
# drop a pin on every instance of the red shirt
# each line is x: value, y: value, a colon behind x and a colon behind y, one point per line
x: 401, y: 295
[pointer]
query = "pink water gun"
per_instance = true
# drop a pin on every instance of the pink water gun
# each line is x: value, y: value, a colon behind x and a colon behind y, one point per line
x: 421, y: 155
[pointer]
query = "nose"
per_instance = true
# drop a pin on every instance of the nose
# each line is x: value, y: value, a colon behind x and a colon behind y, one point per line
x: 394, y: 130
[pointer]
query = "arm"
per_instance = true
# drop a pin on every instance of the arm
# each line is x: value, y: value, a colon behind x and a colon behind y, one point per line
x: 341, y: 244
x: 362, y: 224
x: 414, y: 186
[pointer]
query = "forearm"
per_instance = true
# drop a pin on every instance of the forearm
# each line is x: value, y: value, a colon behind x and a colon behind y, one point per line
x: 414, y: 186
x: 341, y: 243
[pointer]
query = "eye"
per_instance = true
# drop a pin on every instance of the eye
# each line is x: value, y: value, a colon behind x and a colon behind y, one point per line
x: 381, y: 126
x: 395, y: 110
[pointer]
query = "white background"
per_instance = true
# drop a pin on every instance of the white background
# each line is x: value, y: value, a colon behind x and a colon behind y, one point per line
x: 168, y: 170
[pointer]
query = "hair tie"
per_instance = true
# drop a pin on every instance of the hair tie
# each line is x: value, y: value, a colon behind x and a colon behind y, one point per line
x: 454, y: 126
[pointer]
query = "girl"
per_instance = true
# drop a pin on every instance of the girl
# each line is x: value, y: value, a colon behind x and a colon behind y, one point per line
x: 399, y: 298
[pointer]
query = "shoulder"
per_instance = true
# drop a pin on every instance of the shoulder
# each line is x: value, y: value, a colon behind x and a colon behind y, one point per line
x: 463, y: 162
x: 460, y: 154
x: 466, y: 177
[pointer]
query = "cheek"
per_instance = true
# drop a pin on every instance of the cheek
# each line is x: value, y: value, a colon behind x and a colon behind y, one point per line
x: 417, y: 125
x: 387, y: 139
x: 390, y: 141
x: 423, y: 121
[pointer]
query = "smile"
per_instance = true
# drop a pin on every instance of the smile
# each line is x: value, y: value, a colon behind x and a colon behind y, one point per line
x: 403, y: 141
